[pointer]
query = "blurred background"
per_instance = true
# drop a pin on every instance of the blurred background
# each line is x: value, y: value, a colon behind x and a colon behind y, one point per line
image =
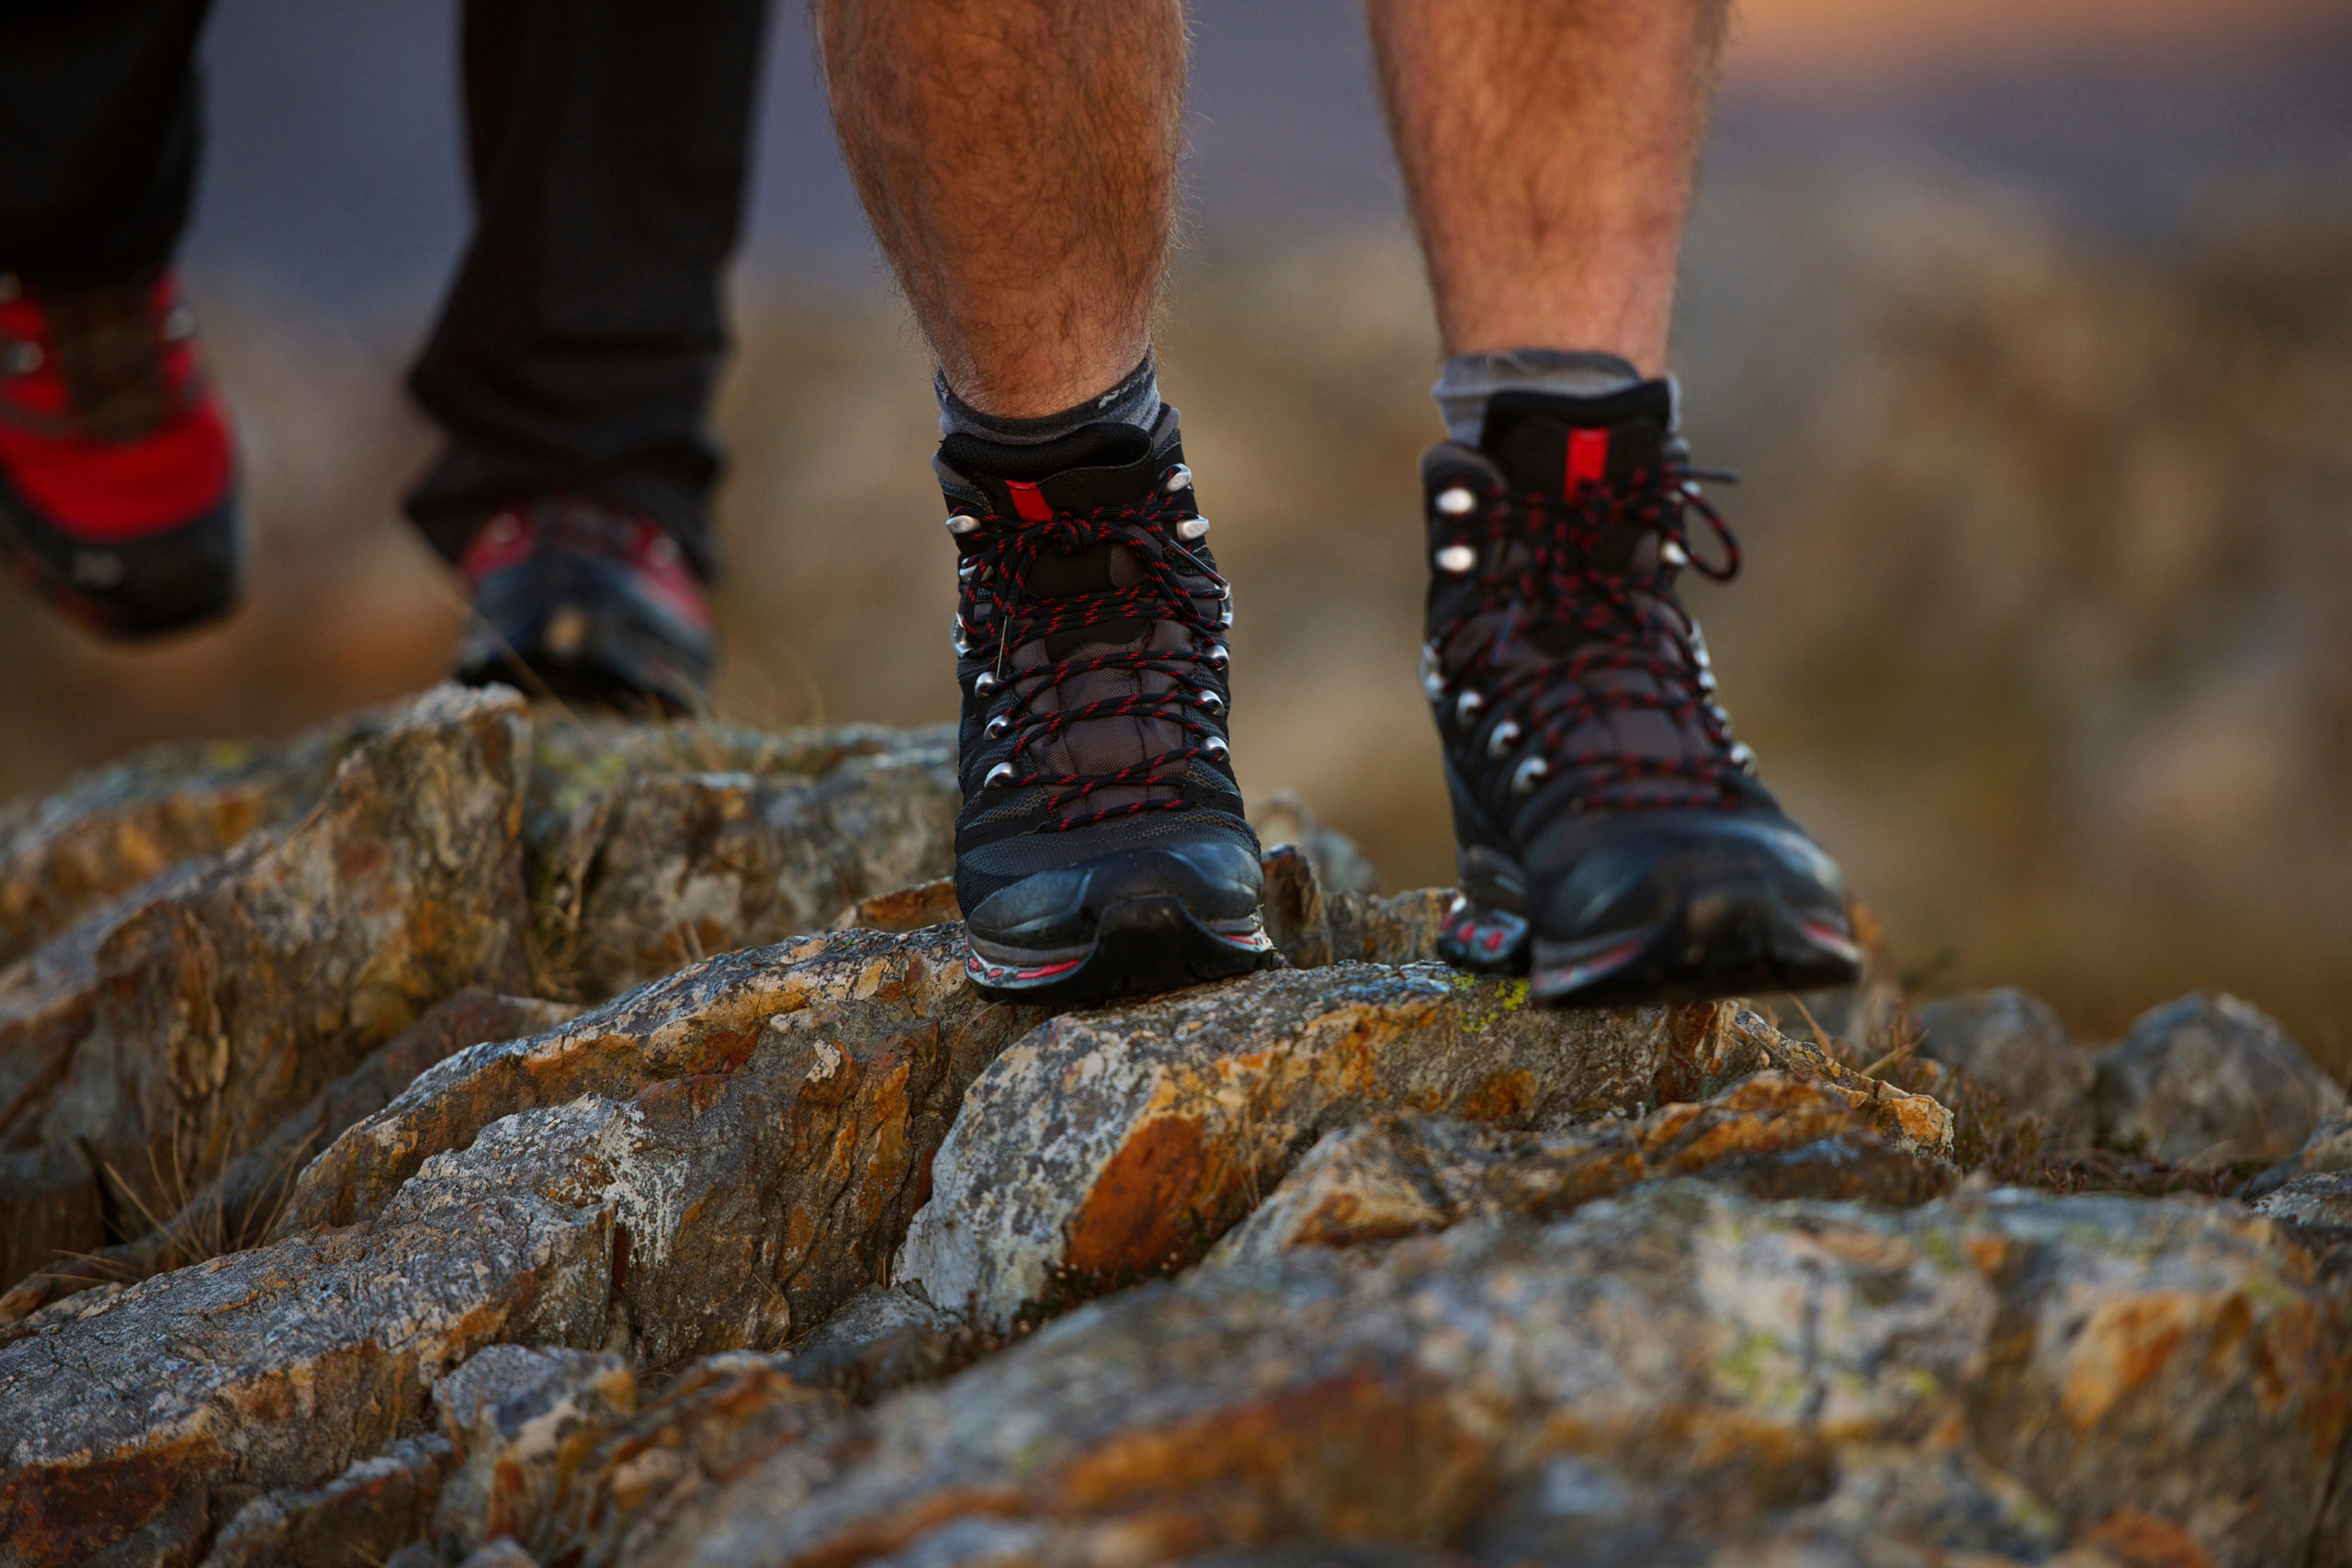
x: 2028, y: 322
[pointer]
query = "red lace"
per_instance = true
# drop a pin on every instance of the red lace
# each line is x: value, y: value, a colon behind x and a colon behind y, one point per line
x: 996, y: 568
x: 1627, y: 622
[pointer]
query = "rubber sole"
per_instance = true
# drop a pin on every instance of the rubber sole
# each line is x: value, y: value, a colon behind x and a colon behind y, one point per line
x: 131, y: 589
x: 1734, y: 940
x: 1141, y: 946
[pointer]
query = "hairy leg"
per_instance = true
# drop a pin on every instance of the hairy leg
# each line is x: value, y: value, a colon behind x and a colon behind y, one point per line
x: 1547, y: 148
x: 1017, y: 159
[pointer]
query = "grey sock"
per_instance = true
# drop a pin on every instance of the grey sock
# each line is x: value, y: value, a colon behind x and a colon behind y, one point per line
x: 1469, y: 379
x: 1134, y: 400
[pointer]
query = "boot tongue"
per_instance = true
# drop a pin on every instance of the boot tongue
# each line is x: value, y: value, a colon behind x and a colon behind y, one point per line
x: 1550, y: 443
x: 1094, y: 465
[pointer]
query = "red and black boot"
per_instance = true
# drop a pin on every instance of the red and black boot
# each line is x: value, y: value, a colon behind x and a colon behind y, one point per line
x: 591, y: 603
x: 117, y: 472
x: 1614, y: 843
x: 1102, y: 850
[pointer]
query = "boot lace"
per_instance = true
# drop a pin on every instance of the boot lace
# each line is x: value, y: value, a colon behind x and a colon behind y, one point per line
x: 1539, y: 568
x: 994, y: 572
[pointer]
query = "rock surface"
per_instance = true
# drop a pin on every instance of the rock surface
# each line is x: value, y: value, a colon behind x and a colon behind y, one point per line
x: 2012, y: 1043
x: 2210, y: 1080
x: 1680, y: 1370
x: 801, y: 1253
x: 181, y: 1034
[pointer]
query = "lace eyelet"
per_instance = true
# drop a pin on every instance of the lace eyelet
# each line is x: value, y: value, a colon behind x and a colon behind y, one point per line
x: 1457, y: 501
x: 963, y: 522
x: 1503, y: 737
x: 1001, y: 774
x: 1180, y: 477
x: 1216, y: 748
x: 1433, y: 674
x: 1528, y: 774
x: 985, y: 681
x: 1456, y: 559
x: 1218, y: 657
x: 1209, y: 702
x: 1466, y: 706
x: 1192, y: 528
x: 994, y: 729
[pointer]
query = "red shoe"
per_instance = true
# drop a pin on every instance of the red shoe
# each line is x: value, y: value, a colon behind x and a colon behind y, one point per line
x: 118, y: 473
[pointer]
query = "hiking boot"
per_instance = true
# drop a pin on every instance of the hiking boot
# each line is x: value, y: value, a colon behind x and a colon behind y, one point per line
x: 583, y: 602
x: 1614, y: 843
x: 1102, y: 850
x: 118, y: 473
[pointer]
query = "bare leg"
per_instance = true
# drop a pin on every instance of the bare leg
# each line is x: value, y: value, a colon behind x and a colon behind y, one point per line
x: 1018, y: 161
x: 1547, y: 147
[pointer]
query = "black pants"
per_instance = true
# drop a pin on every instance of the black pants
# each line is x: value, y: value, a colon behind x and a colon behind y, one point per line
x: 579, y: 340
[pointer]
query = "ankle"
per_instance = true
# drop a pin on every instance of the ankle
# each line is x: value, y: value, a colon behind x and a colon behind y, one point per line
x: 1134, y: 400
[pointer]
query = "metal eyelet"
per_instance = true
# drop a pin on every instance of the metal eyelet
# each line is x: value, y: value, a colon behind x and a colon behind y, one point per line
x: 1192, y: 528
x: 1216, y: 748
x: 1001, y: 774
x: 1218, y: 657
x: 1433, y: 674
x: 1457, y: 501
x: 1742, y: 758
x: 985, y: 681
x: 1180, y: 477
x: 1673, y: 554
x: 963, y: 522
x: 1503, y: 737
x: 1209, y: 702
x: 1466, y: 708
x: 1528, y: 774
x: 994, y: 729
x: 1456, y: 559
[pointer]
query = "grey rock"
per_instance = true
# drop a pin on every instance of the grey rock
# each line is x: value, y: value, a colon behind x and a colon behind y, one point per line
x: 225, y: 995
x: 1681, y: 1371
x: 2210, y: 1080
x: 2013, y: 1044
x: 507, y: 1414
x: 2320, y: 1201
x: 1773, y: 1136
x: 881, y: 1338
x: 1117, y: 1144
x: 656, y: 846
x: 370, y: 1511
x: 2325, y: 1151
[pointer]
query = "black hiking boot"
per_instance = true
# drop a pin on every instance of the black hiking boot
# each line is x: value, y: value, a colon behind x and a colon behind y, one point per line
x: 1102, y: 850
x: 579, y: 601
x: 1614, y: 843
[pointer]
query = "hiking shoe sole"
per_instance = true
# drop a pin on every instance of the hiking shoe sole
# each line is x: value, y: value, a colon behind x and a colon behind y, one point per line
x: 1730, y: 940
x: 1140, y: 945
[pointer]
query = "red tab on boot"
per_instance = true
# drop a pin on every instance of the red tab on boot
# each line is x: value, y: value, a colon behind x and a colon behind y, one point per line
x: 1028, y: 503
x: 1588, y: 457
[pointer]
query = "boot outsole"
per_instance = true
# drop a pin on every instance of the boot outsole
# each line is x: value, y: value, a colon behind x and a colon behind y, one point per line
x: 182, y: 577
x: 1721, y: 942
x: 1141, y: 946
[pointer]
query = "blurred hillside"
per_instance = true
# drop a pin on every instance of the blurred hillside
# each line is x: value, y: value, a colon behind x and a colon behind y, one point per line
x: 2047, y: 628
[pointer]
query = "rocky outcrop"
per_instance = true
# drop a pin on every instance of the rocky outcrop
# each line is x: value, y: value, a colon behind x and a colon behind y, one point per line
x: 2013, y: 1044
x: 1114, y: 1145
x: 658, y: 847
x: 1771, y: 1136
x: 1676, y: 1373
x: 239, y: 1206
x: 175, y: 1030
x: 802, y: 1253
x: 2210, y: 1080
